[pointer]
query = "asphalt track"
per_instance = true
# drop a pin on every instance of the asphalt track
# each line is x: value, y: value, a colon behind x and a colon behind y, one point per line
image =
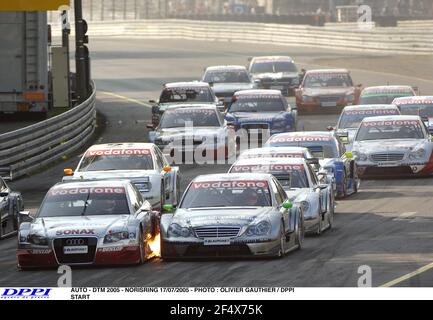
x: 387, y: 226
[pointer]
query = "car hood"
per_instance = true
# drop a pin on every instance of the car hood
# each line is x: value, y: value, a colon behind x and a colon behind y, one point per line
x: 388, y: 145
x: 115, y: 174
x: 277, y: 75
x: 231, y: 87
x: 220, y: 216
x: 255, y: 116
x: 327, y: 91
x: 195, y: 133
x: 97, y: 226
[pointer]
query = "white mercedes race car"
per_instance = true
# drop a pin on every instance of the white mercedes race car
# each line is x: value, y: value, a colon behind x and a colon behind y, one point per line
x: 301, y: 185
x: 393, y: 146
x: 142, y: 163
x: 88, y: 223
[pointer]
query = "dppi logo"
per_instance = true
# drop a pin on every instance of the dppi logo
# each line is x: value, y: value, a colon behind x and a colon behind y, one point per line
x: 26, y: 293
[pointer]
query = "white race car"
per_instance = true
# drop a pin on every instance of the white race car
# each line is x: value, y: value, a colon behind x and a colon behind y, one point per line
x: 142, y: 163
x: 393, y: 145
x: 301, y: 185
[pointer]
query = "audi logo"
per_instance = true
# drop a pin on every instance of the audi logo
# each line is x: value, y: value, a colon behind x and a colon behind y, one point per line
x: 75, y: 242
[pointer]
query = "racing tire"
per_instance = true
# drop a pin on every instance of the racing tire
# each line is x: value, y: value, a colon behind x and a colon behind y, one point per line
x: 344, y: 193
x: 142, y: 248
x: 162, y: 200
x: 282, y: 248
x: 331, y: 216
x: 300, y: 234
x: 319, y: 227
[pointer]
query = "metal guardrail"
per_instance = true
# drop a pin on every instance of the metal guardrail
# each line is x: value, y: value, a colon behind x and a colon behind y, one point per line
x: 31, y: 148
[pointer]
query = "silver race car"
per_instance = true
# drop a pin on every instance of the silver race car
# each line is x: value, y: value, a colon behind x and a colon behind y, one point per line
x: 142, y: 163
x: 11, y: 204
x: 352, y: 116
x: 88, y: 223
x: 393, y: 145
x: 232, y: 215
x: 301, y: 185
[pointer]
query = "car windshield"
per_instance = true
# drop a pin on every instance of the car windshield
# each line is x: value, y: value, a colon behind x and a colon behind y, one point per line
x: 422, y: 110
x: 181, y: 95
x: 222, y: 194
x: 395, y: 129
x: 322, y: 148
x: 122, y: 159
x: 186, y: 117
x: 98, y: 201
x: 352, y: 119
x: 318, y: 80
x: 227, y: 77
x: 271, y: 103
x: 290, y: 176
x: 381, y: 98
x: 273, y: 67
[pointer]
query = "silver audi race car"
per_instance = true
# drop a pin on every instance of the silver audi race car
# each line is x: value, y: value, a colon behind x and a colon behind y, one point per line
x: 301, y: 185
x: 88, y: 223
x: 232, y: 215
x: 351, y: 118
x: 11, y: 205
x: 190, y: 134
x: 226, y: 80
x: 393, y: 146
x: 142, y: 163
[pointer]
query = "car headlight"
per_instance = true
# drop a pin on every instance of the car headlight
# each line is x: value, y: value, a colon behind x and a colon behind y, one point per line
x: 116, y: 237
x: 176, y: 231
x: 417, y: 154
x: 307, y: 99
x: 260, y: 229
x: 360, y: 156
x: 37, y: 240
x: 305, y: 205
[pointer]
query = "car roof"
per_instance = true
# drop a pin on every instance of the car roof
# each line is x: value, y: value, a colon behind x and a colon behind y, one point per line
x: 228, y: 68
x: 386, y: 89
x: 234, y: 177
x: 193, y: 106
x: 258, y: 92
x: 275, y: 58
x: 414, y: 99
x: 392, y: 118
x: 274, y: 150
x: 318, y: 71
x: 125, y: 145
x: 191, y: 84
x: 115, y: 183
x: 371, y: 107
x: 269, y: 161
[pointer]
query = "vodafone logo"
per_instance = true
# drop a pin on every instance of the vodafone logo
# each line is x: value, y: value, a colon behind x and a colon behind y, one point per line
x: 391, y: 123
x: 277, y: 155
x: 74, y: 191
x: 368, y: 112
x: 301, y: 139
x: 230, y: 184
x: 268, y: 168
x: 117, y: 152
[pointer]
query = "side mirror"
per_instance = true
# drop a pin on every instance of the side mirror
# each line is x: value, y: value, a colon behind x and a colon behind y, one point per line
x: 211, y: 84
x: 359, y: 85
x: 68, y: 172
x: 330, y: 128
x: 167, y: 168
x: 25, y: 216
x: 323, y: 186
x: 349, y: 155
x: 4, y: 194
x: 287, y: 205
x: 344, y: 137
x: 167, y: 208
x: 250, y: 59
x: 152, y: 101
x: 150, y: 126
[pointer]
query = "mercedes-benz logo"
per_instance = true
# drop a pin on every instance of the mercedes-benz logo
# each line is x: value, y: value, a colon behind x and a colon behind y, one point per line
x: 75, y: 242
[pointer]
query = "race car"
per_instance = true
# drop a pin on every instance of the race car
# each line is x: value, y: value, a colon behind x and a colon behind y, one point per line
x: 351, y: 118
x: 385, y: 94
x: 300, y: 182
x: 191, y: 134
x: 142, y: 163
x: 88, y: 223
x: 393, y: 146
x: 11, y: 205
x: 226, y: 80
x: 264, y: 111
x: 183, y: 93
x: 281, y: 152
x: 326, y: 91
x: 332, y: 154
x: 232, y: 215
x: 275, y: 72
x: 418, y: 105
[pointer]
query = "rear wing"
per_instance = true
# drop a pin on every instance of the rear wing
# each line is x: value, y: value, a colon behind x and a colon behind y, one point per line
x: 6, y: 173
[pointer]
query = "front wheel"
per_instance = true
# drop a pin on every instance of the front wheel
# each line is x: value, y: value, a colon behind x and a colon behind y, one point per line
x: 282, y: 249
x: 300, y: 233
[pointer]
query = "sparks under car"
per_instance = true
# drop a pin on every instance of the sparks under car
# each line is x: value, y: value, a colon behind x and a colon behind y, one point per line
x: 88, y: 223
x: 326, y: 91
x: 301, y: 185
x: 190, y: 133
x: 232, y: 215
x: 331, y: 152
x: 142, y: 163
x: 351, y: 118
x: 393, y: 145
